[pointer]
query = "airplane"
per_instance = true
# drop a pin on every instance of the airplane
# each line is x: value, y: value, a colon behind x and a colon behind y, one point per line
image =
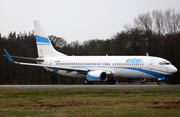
x: 96, y: 68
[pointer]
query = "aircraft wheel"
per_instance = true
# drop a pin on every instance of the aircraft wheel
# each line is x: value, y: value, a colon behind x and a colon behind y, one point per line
x: 86, y: 82
x: 159, y: 82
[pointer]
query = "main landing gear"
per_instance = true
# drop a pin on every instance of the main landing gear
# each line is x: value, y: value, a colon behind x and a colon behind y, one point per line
x: 86, y: 82
x: 111, y: 82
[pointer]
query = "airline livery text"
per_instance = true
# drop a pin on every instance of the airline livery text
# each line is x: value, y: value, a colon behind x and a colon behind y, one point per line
x: 135, y: 60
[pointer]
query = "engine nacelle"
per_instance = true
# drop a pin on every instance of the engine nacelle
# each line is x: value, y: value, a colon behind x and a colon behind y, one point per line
x: 96, y: 76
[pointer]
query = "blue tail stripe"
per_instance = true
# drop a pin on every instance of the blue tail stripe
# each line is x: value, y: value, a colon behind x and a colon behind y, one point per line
x: 42, y: 39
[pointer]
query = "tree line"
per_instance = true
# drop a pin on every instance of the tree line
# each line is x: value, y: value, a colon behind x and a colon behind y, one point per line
x: 156, y: 33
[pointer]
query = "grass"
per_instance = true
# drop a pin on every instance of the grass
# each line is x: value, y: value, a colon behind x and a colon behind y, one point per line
x: 163, y: 87
x: 72, y: 102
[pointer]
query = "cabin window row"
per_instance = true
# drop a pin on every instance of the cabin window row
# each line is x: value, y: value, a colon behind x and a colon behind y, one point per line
x: 131, y: 64
x: 104, y: 64
x: 78, y: 63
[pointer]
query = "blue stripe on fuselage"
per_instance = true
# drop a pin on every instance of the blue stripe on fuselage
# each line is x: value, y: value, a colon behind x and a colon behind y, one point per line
x: 153, y: 73
x: 42, y: 39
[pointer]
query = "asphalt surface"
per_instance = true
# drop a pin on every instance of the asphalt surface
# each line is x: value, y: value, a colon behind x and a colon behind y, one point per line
x: 95, y: 86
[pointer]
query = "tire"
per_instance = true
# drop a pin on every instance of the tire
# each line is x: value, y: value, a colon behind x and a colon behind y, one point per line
x: 159, y: 82
x: 86, y: 82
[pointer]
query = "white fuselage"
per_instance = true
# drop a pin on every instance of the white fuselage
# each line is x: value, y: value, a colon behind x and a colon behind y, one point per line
x: 119, y: 66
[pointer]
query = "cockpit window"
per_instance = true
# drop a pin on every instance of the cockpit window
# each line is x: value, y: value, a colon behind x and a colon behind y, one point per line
x: 164, y: 63
x: 168, y: 63
x: 160, y: 63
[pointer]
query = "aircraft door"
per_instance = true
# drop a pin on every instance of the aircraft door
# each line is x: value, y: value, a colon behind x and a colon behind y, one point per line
x: 151, y: 64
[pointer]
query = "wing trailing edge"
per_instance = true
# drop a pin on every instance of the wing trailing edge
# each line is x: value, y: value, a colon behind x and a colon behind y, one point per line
x: 41, y: 65
x: 27, y: 58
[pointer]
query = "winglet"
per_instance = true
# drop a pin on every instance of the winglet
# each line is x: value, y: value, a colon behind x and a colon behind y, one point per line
x: 147, y: 54
x: 8, y: 56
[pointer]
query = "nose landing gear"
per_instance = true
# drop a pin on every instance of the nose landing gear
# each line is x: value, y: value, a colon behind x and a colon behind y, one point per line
x: 159, y: 82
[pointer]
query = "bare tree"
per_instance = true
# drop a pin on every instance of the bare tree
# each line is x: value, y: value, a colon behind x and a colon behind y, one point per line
x: 159, y: 23
x: 57, y: 41
x: 172, y: 21
x: 144, y: 22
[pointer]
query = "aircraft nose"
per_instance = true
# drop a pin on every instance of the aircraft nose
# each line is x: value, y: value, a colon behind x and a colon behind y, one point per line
x: 172, y: 69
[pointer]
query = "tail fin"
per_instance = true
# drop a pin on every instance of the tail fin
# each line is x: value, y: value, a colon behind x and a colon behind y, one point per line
x: 44, y: 46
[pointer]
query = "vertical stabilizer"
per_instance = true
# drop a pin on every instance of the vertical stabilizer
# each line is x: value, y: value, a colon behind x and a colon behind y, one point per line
x: 44, y: 46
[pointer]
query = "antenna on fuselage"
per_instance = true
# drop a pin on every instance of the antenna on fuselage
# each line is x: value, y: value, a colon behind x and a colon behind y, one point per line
x: 147, y: 54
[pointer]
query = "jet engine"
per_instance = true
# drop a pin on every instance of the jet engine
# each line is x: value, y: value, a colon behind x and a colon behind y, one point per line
x: 96, y: 76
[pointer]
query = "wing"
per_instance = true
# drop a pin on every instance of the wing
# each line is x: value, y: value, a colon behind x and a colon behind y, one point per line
x: 40, y: 65
x: 27, y: 58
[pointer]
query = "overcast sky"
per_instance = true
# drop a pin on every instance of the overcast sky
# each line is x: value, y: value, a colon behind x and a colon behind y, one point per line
x: 76, y: 19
